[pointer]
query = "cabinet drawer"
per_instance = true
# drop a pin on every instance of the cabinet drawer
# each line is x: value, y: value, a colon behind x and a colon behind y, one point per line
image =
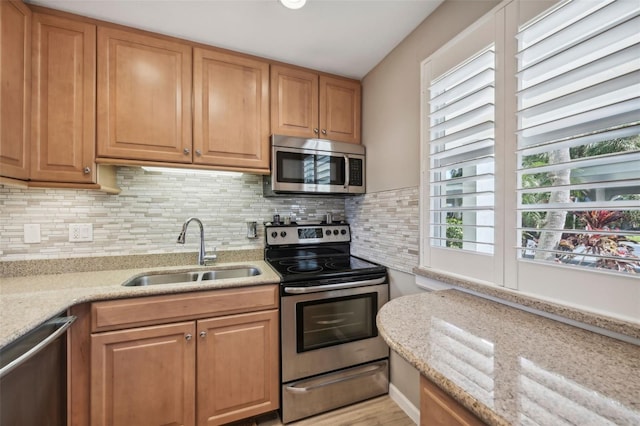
x: 126, y: 313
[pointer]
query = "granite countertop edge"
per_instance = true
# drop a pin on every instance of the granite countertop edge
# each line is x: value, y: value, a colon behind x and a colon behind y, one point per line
x: 601, y: 372
x: 484, y: 413
x: 28, y: 301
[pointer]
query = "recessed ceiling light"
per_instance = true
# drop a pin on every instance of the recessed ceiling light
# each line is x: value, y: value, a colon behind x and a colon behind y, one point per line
x: 293, y: 4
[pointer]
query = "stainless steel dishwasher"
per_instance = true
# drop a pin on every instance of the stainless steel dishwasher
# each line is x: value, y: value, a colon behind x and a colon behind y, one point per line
x: 33, y: 376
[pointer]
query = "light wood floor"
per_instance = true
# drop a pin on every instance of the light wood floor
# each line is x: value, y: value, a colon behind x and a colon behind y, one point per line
x: 381, y: 411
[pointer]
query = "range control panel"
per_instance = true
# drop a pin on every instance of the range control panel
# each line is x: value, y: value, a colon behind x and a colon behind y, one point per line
x: 307, y: 234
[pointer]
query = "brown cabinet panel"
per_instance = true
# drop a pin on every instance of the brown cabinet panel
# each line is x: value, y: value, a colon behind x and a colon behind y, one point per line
x: 144, y: 376
x: 134, y: 312
x: 144, y: 97
x: 63, y: 119
x: 15, y: 88
x: 310, y: 105
x: 237, y: 367
x: 439, y: 409
x: 340, y: 109
x: 231, y: 110
x: 294, y: 102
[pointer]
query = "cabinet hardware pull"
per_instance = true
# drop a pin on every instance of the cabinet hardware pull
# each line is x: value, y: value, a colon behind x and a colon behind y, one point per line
x: 186, y: 151
x: 87, y: 170
x: 315, y: 130
x: 188, y: 336
x: 203, y: 334
x: 198, y: 152
x: 324, y: 131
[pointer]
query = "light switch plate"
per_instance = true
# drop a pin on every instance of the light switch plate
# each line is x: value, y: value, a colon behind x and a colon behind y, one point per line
x: 31, y: 233
x: 80, y: 232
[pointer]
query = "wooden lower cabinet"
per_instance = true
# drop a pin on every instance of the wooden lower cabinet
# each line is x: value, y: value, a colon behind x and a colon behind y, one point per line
x: 199, y: 371
x: 144, y: 376
x: 236, y: 374
x: 439, y: 409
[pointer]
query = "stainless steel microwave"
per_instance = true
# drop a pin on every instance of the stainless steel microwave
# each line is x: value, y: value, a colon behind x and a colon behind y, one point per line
x: 315, y: 166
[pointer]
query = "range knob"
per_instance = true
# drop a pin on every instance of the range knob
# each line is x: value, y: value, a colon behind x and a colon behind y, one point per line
x: 343, y: 232
x: 328, y: 232
x: 274, y: 234
x: 283, y: 234
x: 335, y: 232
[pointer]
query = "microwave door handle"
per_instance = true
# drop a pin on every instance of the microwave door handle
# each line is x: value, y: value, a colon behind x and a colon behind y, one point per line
x: 346, y: 171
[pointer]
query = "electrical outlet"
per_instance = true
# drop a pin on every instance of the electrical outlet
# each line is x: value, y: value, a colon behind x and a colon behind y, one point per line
x: 80, y: 232
x: 31, y: 233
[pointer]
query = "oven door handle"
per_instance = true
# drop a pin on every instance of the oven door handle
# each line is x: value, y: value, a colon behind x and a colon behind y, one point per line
x: 318, y: 288
x: 367, y: 370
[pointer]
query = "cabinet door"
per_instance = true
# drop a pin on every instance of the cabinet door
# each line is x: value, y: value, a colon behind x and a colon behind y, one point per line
x: 64, y: 85
x: 294, y: 102
x: 237, y: 367
x: 439, y: 409
x: 144, y: 97
x: 15, y: 92
x: 340, y: 109
x: 144, y: 376
x: 231, y: 110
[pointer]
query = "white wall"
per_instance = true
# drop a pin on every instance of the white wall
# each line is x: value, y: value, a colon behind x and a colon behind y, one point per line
x: 391, y: 96
x: 391, y: 133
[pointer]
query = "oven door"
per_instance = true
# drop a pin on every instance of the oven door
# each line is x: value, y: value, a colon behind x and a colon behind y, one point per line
x: 329, y: 330
x: 306, y: 170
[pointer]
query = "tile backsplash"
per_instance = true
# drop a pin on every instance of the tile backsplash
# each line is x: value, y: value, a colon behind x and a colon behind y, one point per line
x: 386, y: 227
x: 146, y: 217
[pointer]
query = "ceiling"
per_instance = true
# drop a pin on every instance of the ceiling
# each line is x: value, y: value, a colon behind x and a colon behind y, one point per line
x: 344, y: 37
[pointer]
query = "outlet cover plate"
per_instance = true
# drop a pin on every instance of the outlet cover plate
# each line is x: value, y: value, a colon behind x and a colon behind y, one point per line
x: 80, y: 232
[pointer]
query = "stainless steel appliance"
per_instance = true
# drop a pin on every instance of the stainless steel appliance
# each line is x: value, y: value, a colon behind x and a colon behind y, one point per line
x: 331, y: 352
x: 33, y: 377
x: 314, y: 166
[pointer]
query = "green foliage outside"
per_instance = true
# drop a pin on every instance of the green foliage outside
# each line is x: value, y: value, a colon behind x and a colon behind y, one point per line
x: 454, y: 232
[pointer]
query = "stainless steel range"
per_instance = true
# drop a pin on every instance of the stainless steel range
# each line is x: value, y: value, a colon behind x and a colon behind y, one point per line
x: 331, y: 352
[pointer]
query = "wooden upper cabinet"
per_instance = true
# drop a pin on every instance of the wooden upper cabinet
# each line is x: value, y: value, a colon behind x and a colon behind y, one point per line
x: 294, y: 102
x: 144, y: 97
x: 310, y: 105
x: 340, y: 109
x: 231, y: 110
x: 63, y: 89
x: 15, y: 92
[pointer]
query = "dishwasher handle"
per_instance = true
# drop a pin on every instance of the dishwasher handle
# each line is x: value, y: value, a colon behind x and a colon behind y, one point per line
x: 61, y: 324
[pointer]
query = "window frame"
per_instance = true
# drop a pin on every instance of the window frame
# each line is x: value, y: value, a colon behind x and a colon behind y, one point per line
x: 612, y: 294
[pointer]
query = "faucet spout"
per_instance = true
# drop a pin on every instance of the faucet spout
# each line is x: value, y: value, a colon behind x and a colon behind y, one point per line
x: 202, y: 257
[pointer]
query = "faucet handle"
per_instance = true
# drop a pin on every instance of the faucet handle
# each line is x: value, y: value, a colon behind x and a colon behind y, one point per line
x: 210, y: 257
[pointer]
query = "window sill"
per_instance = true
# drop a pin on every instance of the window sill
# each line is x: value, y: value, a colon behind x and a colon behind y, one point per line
x: 570, y: 315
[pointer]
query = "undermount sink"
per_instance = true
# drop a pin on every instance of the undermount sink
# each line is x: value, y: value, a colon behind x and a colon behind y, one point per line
x: 192, y: 276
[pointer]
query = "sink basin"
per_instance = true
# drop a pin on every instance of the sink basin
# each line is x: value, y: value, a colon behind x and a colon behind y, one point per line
x: 230, y: 273
x: 192, y: 276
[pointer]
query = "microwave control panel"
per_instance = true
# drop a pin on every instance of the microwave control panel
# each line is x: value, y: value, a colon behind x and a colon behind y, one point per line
x: 355, y: 172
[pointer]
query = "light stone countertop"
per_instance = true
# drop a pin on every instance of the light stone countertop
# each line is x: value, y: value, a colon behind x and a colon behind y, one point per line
x: 27, y: 301
x: 511, y: 367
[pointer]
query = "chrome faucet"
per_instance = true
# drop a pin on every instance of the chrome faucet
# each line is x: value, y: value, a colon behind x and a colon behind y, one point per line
x: 202, y: 254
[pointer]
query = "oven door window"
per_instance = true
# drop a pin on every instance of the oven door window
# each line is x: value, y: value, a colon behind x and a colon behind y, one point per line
x: 318, y: 169
x: 329, y: 322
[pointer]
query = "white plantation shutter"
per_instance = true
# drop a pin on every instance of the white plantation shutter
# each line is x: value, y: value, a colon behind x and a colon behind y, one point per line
x: 461, y: 155
x: 578, y: 94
